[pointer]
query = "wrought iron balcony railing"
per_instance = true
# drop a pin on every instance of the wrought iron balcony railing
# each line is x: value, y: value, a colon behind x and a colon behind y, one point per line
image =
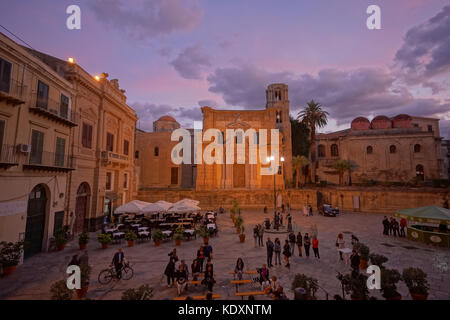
x: 8, y: 156
x: 55, y: 110
x: 12, y: 91
x: 50, y: 161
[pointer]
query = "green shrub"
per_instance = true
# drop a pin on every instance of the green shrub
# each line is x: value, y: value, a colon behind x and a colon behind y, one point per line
x: 104, y: 238
x: 60, y: 291
x: 144, y: 292
x: 415, y: 280
x: 130, y: 236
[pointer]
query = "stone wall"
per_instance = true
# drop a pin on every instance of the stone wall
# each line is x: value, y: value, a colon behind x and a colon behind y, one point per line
x: 379, y: 200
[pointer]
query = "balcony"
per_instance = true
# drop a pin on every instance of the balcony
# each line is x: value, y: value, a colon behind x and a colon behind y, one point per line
x: 49, y: 161
x: 12, y: 92
x: 109, y: 157
x: 51, y: 109
x: 8, y: 156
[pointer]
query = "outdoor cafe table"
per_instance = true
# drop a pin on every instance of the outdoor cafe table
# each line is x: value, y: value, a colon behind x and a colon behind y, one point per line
x: 211, y: 225
x: 167, y: 233
x: 142, y: 228
x: 190, y: 232
x: 136, y: 225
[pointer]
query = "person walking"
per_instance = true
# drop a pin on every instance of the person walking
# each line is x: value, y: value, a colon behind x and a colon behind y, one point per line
x: 396, y: 227
x: 277, y: 249
x: 269, y: 247
x: 195, y: 267
x: 255, y: 233
x: 315, y: 246
x: 403, y: 225
x: 200, y: 258
x: 286, y: 253
x: 306, y: 244
x: 260, y: 235
x: 340, y: 243
x: 292, y: 241
x: 391, y: 226
x: 355, y: 261
x: 170, y: 272
x: 181, y: 279
x: 289, y: 219
x: 299, y: 243
x: 385, y: 226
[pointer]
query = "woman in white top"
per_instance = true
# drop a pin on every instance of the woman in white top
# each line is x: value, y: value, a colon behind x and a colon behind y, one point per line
x: 340, y: 244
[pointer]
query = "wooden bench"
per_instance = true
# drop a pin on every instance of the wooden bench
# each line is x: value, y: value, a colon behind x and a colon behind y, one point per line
x: 238, y: 282
x: 215, y: 296
x: 245, y: 272
x: 251, y: 293
x: 194, y: 282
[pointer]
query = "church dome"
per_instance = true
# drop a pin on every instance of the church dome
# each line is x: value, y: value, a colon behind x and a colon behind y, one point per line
x: 381, y: 122
x: 402, y: 121
x: 167, y: 118
x: 360, y: 123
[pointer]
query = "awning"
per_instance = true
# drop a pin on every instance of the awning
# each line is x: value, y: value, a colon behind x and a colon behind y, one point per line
x: 429, y: 214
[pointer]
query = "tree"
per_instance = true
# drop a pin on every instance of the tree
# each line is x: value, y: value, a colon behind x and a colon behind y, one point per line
x: 298, y: 163
x: 340, y: 167
x: 314, y: 117
x: 300, y: 138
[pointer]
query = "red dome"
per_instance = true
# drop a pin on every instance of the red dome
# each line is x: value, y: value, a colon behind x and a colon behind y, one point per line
x: 167, y: 118
x: 381, y: 122
x: 360, y: 123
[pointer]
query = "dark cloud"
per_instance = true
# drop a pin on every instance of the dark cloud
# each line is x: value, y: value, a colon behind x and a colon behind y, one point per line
x: 345, y: 94
x: 149, y: 112
x: 192, y: 62
x: 148, y: 19
x: 425, y: 52
x: 207, y: 103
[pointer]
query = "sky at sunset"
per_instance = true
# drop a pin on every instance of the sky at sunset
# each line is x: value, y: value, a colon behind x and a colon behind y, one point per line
x: 171, y: 56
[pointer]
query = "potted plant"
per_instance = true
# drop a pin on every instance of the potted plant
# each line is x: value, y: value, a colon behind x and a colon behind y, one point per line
x: 415, y: 280
x: 363, y: 252
x: 10, y: 255
x: 242, y: 234
x: 144, y: 292
x: 310, y: 285
x: 85, y: 277
x: 356, y: 286
x: 204, y: 233
x: 60, y: 291
x: 377, y: 260
x: 104, y: 239
x: 83, y: 240
x: 179, y: 235
x: 157, y: 236
x: 238, y: 223
x: 60, y: 239
x: 389, y: 280
x: 130, y: 236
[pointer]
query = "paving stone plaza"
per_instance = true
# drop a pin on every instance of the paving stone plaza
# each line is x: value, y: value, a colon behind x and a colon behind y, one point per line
x: 33, y: 279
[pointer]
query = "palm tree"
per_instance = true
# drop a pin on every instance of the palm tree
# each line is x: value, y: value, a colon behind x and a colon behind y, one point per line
x: 341, y: 167
x: 313, y: 116
x: 352, y: 166
x: 298, y: 163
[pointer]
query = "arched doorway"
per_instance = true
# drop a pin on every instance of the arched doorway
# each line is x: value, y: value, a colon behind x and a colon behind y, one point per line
x: 36, y: 212
x: 81, y: 207
x: 420, y: 174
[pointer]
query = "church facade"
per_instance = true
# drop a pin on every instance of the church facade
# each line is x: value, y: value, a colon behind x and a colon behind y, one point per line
x: 158, y: 171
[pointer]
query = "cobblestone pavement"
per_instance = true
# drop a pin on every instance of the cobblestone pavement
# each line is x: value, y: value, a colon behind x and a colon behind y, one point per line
x: 33, y: 279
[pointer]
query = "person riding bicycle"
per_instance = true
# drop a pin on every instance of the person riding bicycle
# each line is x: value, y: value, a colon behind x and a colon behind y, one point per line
x: 118, y: 261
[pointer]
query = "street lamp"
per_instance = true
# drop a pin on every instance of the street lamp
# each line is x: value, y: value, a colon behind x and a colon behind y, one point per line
x: 269, y: 159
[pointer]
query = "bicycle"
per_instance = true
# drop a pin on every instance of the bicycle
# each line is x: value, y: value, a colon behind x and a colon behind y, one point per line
x: 106, y: 275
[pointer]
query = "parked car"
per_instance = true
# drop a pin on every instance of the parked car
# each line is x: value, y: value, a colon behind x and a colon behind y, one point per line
x: 329, y: 211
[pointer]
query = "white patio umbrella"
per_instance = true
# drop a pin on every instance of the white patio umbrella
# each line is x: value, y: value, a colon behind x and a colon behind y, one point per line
x: 181, y: 208
x: 186, y: 201
x: 153, y: 208
x: 164, y: 204
x: 133, y: 206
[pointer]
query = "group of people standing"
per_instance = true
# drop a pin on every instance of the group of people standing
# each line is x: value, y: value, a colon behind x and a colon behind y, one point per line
x: 392, y: 227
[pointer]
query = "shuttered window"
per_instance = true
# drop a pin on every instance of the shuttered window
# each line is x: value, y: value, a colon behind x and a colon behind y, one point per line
x: 86, y: 136
x: 109, y: 142
x: 60, y: 151
x: 5, y: 75
x: 126, y: 146
x: 42, y: 95
x: 37, y: 144
x: 64, y: 108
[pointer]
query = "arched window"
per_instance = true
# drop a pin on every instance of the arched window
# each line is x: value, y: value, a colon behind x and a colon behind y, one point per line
x: 156, y: 151
x: 369, y: 150
x: 417, y: 148
x: 392, y: 149
x: 321, y: 151
x: 334, y: 150
x: 420, y: 172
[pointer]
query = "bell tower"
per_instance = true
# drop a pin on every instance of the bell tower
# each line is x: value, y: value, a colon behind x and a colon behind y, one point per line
x: 277, y: 96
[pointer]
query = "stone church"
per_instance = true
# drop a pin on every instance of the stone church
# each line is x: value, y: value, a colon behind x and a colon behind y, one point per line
x: 158, y: 171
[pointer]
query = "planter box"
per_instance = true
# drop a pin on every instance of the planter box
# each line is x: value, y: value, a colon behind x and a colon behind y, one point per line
x: 131, y: 243
x: 9, y: 270
x: 83, y: 246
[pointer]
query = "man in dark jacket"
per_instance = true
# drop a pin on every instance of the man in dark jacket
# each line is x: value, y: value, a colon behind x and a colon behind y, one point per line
x: 385, y: 226
x: 292, y: 242
x: 117, y: 261
x: 355, y: 260
x: 269, y: 246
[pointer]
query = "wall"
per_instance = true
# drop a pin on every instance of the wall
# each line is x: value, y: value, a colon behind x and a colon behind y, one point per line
x: 379, y: 200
